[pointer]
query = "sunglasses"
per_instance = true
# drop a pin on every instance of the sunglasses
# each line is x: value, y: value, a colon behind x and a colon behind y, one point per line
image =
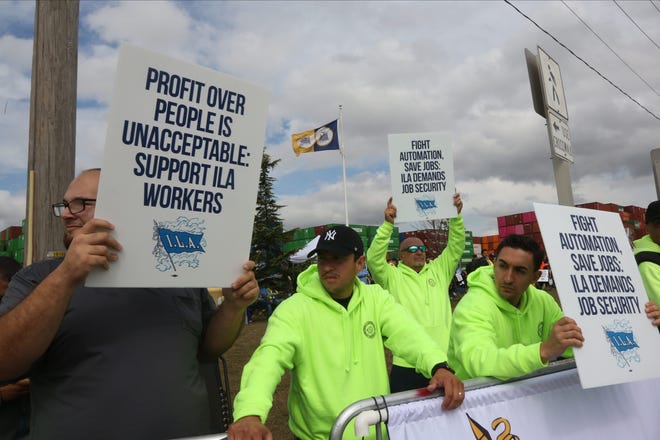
x: 413, y: 249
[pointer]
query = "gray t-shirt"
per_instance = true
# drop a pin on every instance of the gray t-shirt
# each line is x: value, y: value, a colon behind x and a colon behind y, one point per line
x: 123, y: 364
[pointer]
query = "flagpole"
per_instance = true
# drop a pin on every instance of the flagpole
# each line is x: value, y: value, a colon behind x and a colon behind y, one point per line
x: 157, y: 226
x: 343, y: 160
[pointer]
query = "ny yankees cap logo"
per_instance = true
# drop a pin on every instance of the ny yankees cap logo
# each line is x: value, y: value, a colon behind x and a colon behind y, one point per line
x: 339, y: 240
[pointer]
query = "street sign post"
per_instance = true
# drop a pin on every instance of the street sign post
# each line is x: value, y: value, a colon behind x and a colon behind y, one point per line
x: 550, y: 102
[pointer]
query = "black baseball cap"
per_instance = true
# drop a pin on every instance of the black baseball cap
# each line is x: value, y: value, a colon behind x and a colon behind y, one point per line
x: 652, y: 212
x: 339, y: 240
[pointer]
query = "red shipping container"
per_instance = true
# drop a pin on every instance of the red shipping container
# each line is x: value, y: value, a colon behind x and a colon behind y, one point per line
x: 501, y: 221
x: 528, y: 228
x: 537, y: 237
x: 12, y: 232
x: 529, y: 217
x: 636, y: 212
x: 514, y: 219
x: 591, y: 205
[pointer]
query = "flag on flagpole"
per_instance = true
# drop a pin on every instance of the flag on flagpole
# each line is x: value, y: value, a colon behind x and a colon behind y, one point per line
x: 323, y: 138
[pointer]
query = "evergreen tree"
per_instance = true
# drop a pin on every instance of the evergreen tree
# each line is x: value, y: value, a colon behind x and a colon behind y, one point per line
x: 268, y: 237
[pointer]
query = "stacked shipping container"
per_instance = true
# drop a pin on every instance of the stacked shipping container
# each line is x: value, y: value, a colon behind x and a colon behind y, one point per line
x: 488, y: 243
x: 12, y: 242
x: 525, y: 223
x: 521, y: 224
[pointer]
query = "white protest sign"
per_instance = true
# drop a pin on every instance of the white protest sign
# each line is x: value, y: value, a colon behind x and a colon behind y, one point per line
x: 180, y: 172
x: 422, y: 176
x: 600, y: 287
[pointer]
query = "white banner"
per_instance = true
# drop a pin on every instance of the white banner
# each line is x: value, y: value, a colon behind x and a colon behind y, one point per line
x: 422, y: 176
x: 546, y: 407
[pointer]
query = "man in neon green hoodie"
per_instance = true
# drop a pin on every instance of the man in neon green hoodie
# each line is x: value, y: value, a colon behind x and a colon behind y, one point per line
x: 647, y: 252
x: 504, y: 327
x: 330, y: 335
x: 421, y: 287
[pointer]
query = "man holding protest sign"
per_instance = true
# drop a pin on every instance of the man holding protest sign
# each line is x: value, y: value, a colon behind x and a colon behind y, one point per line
x: 330, y: 336
x: 421, y: 287
x: 504, y: 327
x: 112, y: 362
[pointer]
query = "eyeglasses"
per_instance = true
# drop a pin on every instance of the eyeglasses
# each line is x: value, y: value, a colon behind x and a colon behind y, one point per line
x: 413, y: 249
x: 75, y: 206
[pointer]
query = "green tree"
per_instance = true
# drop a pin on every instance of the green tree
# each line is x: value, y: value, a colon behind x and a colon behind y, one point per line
x: 268, y: 236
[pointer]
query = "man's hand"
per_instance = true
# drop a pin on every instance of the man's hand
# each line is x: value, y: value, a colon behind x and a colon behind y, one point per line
x: 244, y: 290
x: 226, y: 322
x: 248, y: 428
x: 15, y: 390
x: 92, y: 247
x: 454, y: 389
x: 458, y: 203
x: 653, y: 313
x: 565, y: 333
x: 390, y: 211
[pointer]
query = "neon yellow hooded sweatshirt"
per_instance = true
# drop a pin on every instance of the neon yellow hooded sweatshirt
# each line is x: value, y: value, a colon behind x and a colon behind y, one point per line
x: 425, y: 294
x: 649, y: 271
x: 335, y: 355
x: 491, y: 337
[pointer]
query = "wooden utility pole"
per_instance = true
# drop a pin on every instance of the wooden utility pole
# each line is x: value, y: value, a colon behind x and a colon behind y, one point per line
x: 52, y: 149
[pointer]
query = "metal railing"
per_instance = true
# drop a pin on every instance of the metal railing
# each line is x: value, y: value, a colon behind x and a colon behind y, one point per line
x: 373, y: 411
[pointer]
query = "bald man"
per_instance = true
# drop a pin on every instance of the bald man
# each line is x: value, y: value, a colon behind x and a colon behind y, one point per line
x: 421, y: 287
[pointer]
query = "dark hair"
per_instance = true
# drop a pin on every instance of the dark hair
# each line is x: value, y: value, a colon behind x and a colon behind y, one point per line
x: 8, y: 267
x: 525, y: 243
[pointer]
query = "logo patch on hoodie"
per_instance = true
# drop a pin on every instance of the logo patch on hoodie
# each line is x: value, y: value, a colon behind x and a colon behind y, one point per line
x: 540, y: 329
x: 369, y: 329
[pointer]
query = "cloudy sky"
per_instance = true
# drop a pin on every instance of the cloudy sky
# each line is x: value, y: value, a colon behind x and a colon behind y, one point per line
x: 395, y: 67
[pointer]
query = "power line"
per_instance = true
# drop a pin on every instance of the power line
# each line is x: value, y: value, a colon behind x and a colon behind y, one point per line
x: 587, y: 64
x: 612, y: 50
x: 635, y: 23
x: 655, y: 6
